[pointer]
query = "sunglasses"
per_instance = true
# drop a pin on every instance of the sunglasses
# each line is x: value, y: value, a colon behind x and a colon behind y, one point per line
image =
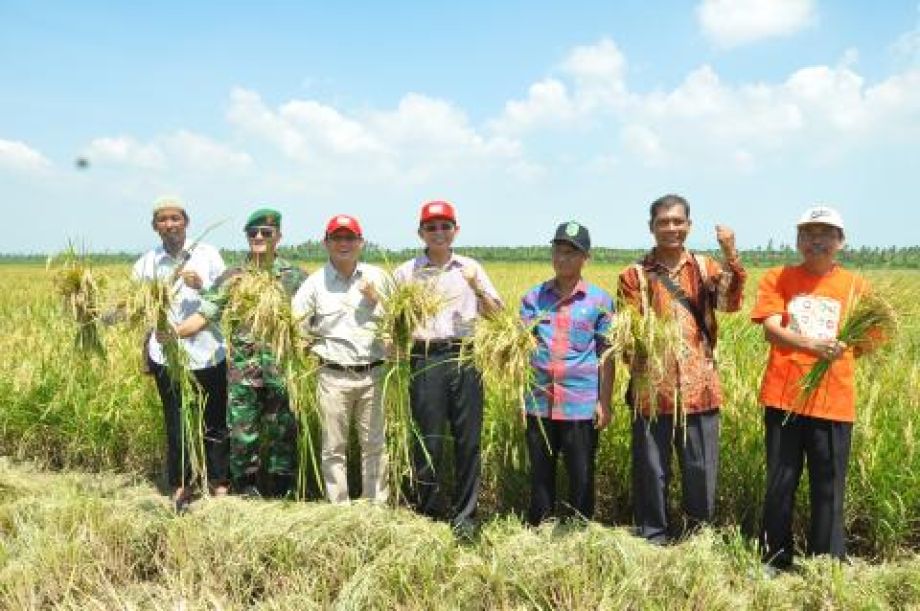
x: 265, y: 232
x: 343, y: 237
x: 430, y: 227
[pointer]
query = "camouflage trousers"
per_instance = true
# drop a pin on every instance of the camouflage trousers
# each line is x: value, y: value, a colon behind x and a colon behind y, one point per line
x: 262, y: 433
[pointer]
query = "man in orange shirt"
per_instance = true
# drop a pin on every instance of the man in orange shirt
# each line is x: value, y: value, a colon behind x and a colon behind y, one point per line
x: 801, y: 308
x: 687, y: 288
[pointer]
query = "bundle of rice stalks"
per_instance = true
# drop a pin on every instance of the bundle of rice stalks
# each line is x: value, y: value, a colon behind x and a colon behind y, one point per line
x: 259, y: 305
x: 500, y: 348
x: 79, y: 288
x: 870, y: 319
x: 146, y: 305
x: 406, y: 307
x: 650, y: 344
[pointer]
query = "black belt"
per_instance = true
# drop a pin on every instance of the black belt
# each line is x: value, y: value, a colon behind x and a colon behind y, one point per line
x: 351, y: 368
x: 435, y: 346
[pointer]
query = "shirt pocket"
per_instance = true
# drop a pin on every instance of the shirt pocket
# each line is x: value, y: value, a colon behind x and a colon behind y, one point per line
x: 581, y: 335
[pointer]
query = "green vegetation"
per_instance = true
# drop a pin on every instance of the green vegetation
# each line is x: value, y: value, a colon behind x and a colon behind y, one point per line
x: 79, y: 541
x: 872, y: 257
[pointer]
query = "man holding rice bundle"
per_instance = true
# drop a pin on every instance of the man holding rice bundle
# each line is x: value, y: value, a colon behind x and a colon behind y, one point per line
x: 191, y: 268
x: 678, y: 410
x: 570, y: 399
x: 441, y: 388
x: 803, y: 309
x: 262, y: 428
x: 340, y: 307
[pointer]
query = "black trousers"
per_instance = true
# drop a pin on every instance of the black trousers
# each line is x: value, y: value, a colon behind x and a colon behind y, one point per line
x: 442, y: 391
x: 791, y: 440
x: 697, y: 448
x: 213, y: 382
x: 576, y: 440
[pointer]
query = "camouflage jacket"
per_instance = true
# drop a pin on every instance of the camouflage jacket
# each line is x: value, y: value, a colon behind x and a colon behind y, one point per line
x: 249, y: 362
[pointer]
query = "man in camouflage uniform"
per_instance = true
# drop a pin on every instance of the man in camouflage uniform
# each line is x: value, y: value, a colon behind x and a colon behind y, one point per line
x: 263, y: 431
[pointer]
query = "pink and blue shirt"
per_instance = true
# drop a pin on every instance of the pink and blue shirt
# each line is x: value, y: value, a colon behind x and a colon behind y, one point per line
x: 570, y: 339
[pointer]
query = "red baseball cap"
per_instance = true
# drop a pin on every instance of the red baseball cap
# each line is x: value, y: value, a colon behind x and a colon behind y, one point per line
x: 438, y: 209
x: 343, y: 221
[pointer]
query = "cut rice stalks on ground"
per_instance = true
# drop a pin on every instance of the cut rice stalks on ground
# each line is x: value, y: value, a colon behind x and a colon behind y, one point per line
x: 79, y: 288
x: 871, y: 320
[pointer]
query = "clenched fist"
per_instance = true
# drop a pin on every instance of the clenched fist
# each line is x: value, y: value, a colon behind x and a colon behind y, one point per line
x: 726, y: 239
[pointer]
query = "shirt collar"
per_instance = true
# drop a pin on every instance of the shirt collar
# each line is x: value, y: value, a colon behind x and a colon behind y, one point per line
x: 581, y: 288
x: 651, y: 263
x: 330, y: 269
x: 424, y: 261
x: 160, y: 252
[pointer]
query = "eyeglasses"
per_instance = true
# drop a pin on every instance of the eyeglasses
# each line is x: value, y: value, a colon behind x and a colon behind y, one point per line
x: 265, y: 232
x: 343, y: 237
x: 432, y: 227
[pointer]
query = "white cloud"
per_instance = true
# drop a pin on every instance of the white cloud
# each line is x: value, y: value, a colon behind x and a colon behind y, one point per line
x: 907, y: 47
x: 547, y: 102
x: 248, y: 112
x: 195, y: 151
x: 182, y: 150
x: 328, y: 127
x: 599, y: 71
x: 645, y: 144
x: 125, y: 150
x: 19, y: 156
x: 420, y: 138
x: 584, y: 117
x: 730, y: 23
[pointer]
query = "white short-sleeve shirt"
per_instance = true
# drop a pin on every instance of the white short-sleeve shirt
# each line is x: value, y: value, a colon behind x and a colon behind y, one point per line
x: 205, y: 348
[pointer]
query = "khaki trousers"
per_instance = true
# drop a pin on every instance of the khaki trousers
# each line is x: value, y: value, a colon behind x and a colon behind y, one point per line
x: 340, y: 395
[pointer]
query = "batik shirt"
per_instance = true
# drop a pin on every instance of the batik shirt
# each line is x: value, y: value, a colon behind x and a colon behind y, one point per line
x: 692, y: 380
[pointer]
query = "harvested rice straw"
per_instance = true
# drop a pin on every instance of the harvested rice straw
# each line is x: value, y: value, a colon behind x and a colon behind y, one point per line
x: 300, y: 380
x: 407, y: 306
x: 500, y: 348
x: 870, y: 319
x: 147, y: 306
x: 259, y: 306
x: 79, y: 288
x: 650, y: 344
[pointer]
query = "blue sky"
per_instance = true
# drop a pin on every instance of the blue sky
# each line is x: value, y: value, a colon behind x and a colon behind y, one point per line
x: 522, y: 113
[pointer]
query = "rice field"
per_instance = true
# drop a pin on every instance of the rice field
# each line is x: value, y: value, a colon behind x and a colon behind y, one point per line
x: 71, y: 409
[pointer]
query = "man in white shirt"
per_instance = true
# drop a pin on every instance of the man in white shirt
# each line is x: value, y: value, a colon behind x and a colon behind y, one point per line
x: 341, y: 310
x: 189, y: 268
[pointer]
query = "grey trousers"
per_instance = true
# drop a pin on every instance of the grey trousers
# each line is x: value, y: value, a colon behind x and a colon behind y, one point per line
x: 697, y: 450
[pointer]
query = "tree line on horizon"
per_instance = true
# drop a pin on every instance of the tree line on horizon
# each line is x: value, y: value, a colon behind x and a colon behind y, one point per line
x: 894, y: 257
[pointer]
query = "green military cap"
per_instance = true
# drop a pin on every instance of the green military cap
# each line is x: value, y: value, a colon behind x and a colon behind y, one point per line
x: 264, y: 217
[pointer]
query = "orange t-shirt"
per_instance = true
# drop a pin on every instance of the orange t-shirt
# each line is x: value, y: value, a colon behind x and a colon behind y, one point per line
x: 814, y: 306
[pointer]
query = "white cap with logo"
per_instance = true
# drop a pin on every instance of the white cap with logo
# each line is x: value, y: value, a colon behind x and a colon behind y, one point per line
x: 824, y: 215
